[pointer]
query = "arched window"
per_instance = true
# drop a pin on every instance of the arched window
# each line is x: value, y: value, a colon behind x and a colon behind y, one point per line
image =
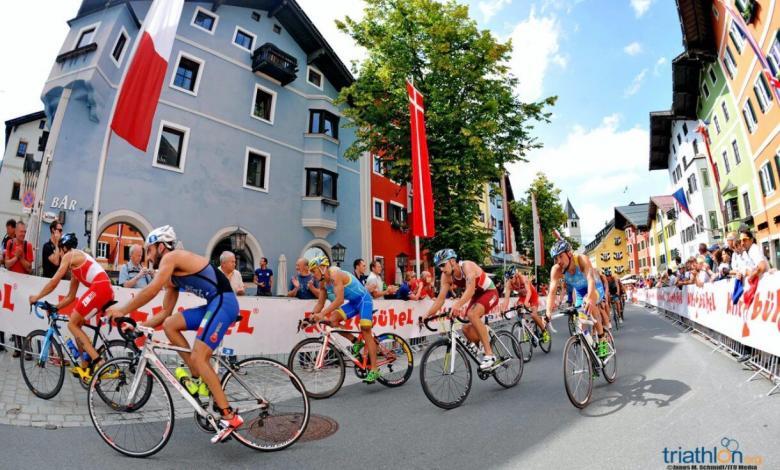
x: 113, y: 246
x: 245, y: 261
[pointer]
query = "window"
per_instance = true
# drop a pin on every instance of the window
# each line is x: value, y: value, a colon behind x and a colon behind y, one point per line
x: 379, y: 167
x: 256, y: 169
x: 396, y: 214
x: 205, y: 20
x: 42, y: 124
x: 750, y: 116
x: 774, y: 55
x: 323, y: 122
x: 379, y: 209
x: 685, y: 128
x: 679, y: 139
x: 126, y: 251
x: 726, y: 161
x: 692, y: 184
x: 713, y: 220
x: 695, y: 147
x: 705, y: 90
x: 767, y: 179
x: 86, y: 37
x: 630, y: 264
x: 277, y: 29
x: 725, y: 111
x: 102, y: 250
x: 746, y: 204
x: 674, y: 150
x: 699, y: 223
x: 314, y: 77
x: 243, y: 39
x: 705, y: 178
x: 713, y: 77
x: 188, y: 73
x: 501, y: 225
x: 321, y: 183
x: 263, y: 104
x: 732, y: 209
x: 717, y: 123
x: 21, y: 150
x: 735, y: 147
x: 763, y: 93
x: 736, y: 37
x: 119, y: 48
x: 728, y: 61
x: 15, y: 191
x: 171, y: 147
x: 256, y: 16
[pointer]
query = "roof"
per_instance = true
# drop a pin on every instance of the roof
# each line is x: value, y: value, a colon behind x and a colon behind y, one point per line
x: 600, y: 236
x: 11, y: 123
x: 660, y: 135
x: 634, y: 215
x: 571, y: 214
x: 292, y: 18
x: 664, y: 203
x: 685, y: 86
x: 698, y: 33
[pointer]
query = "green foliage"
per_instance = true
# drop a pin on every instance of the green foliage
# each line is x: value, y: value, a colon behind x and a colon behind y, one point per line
x: 475, y: 123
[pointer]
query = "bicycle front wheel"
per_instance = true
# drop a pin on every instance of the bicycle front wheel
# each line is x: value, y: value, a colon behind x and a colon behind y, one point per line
x: 524, y: 347
x: 610, y: 369
x: 320, y: 381
x: 395, y: 360
x: 508, y: 373
x: 615, y: 322
x: 572, y: 324
x: 111, y: 350
x: 445, y: 374
x: 42, y: 363
x: 272, y: 401
x: 132, y: 430
x: 577, y: 372
x: 545, y: 346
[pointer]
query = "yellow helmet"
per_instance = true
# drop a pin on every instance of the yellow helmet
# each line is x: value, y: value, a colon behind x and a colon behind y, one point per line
x: 319, y: 261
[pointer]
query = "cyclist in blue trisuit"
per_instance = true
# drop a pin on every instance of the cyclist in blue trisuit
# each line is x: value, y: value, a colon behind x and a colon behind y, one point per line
x: 578, y: 273
x: 349, y: 298
x: 184, y: 270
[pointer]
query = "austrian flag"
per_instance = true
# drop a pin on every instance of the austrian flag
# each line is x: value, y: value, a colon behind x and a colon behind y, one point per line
x: 141, y: 87
x: 422, y: 208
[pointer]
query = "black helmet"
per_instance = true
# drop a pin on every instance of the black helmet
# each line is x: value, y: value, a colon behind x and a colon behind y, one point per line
x: 69, y: 240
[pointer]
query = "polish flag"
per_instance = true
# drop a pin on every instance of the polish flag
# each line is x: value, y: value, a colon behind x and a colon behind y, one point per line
x: 142, y: 84
x: 422, y: 213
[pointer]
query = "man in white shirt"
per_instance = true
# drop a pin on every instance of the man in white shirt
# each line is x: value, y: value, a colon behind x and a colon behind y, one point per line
x: 374, y: 283
x: 227, y: 264
x: 754, y: 265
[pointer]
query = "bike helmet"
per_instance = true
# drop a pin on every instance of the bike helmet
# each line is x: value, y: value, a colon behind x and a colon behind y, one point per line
x: 510, y: 272
x: 319, y: 261
x: 561, y: 246
x: 69, y: 240
x: 444, y: 255
x: 164, y: 235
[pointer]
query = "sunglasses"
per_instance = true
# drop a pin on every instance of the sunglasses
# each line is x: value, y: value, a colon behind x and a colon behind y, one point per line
x: 58, y: 229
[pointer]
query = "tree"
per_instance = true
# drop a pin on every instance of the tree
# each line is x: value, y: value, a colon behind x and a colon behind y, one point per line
x: 551, y: 217
x: 475, y: 123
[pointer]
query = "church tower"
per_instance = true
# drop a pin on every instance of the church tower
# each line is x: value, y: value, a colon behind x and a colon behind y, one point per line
x: 572, y: 229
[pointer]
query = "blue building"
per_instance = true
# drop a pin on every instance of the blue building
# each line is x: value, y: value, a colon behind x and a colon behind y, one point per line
x: 246, y: 137
x: 501, y: 252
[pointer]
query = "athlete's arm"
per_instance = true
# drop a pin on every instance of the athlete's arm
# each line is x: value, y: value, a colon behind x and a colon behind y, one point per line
x: 527, y: 283
x: 443, y: 289
x: 169, y: 302
x: 338, y: 291
x: 321, y: 296
x: 592, y: 297
x: 555, y: 276
x: 55, y: 280
x: 507, y: 294
x: 161, y: 279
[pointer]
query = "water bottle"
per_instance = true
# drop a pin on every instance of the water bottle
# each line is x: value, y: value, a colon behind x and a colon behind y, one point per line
x: 85, y: 357
x: 74, y: 351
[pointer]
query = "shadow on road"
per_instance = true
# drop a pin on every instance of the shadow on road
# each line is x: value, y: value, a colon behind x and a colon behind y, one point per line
x: 635, y: 390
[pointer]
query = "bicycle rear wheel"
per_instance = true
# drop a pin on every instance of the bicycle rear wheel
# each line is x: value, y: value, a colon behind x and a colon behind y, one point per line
x: 524, y: 345
x: 132, y: 430
x: 395, y: 358
x: 615, y: 321
x: 443, y: 388
x: 272, y: 401
x: 610, y: 369
x: 577, y: 372
x: 111, y: 350
x: 42, y: 363
x: 320, y: 382
x: 507, y: 374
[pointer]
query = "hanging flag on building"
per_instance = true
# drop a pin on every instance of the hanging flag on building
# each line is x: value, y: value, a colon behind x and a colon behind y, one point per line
x: 115, y: 258
x: 142, y: 84
x: 538, y: 241
x: 508, y: 248
x: 679, y: 197
x: 422, y: 212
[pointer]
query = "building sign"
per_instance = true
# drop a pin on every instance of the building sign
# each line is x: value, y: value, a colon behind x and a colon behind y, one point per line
x: 63, y: 203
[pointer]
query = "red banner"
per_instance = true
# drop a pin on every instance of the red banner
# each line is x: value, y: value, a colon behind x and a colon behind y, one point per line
x: 422, y: 212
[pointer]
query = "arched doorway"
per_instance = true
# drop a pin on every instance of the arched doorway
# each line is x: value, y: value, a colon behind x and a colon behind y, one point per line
x: 313, y: 251
x: 245, y: 261
x: 113, y: 246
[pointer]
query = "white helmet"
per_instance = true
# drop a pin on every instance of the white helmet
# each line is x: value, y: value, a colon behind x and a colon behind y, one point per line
x: 164, y: 234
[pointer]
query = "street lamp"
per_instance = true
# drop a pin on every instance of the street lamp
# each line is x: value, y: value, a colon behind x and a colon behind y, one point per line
x: 403, y: 261
x: 238, y: 240
x: 339, y: 251
x: 88, y: 226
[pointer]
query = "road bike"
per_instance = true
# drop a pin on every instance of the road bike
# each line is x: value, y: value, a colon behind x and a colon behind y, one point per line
x: 445, y: 370
x: 571, y: 314
x: 320, y: 362
x: 581, y: 364
x: 528, y: 333
x: 269, y: 397
x: 42, y: 361
x: 617, y: 313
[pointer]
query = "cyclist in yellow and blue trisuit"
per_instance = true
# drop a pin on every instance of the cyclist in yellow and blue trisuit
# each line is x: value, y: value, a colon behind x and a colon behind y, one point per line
x: 578, y: 273
x: 349, y: 298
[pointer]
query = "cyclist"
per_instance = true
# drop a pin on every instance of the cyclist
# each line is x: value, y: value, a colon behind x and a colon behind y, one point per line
x: 480, y: 296
x: 604, y: 306
x: 349, y: 298
x: 515, y: 281
x: 578, y: 273
x: 184, y: 270
x: 615, y: 291
x: 85, y: 270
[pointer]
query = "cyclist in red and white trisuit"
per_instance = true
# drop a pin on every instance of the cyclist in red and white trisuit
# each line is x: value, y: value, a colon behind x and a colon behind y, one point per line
x: 83, y: 270
x: 515, y: 281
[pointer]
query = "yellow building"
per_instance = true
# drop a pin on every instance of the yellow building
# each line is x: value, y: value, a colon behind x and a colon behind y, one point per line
x: 608, y: 250
x: 662, y: 229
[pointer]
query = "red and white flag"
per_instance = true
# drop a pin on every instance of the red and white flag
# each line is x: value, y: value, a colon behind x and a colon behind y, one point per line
x: 115, y: 257
x: 537, y: 227
x: 142, y: 84
x: 422, y: 212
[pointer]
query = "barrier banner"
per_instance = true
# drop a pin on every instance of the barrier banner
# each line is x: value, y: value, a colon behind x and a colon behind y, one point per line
x: 756, y: 325
x: 268, y: 324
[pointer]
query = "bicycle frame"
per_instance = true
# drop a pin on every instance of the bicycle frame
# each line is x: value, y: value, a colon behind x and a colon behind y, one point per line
x: 521, y: 318
x: 601, y: 362
x: 327, y: 333
x: 456, y: 337
x: 53, y: 333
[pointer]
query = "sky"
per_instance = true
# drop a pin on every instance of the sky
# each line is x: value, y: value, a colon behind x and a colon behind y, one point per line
x: 608, y: 61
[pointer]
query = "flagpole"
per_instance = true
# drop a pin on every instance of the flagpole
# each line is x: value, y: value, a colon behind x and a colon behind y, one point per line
x: 417, y: 251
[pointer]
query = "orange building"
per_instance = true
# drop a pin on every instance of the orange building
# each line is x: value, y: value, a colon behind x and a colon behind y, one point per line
x: 113, y: 246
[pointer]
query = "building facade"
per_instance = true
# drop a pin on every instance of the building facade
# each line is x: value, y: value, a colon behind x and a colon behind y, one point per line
x: 246, y: 139
x: 661, y: 219
x: 572, y: 229
x: 632, y: 219
x: 25, y: 139
x: 608, y: 250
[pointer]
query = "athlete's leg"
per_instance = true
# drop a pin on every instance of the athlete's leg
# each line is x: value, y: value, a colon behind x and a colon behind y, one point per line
x: 475, y: 317
x: 537, y: 318
x: 201, y: 354
x: 368, y: 337
x: 174, y: 325
x: 82, y: 340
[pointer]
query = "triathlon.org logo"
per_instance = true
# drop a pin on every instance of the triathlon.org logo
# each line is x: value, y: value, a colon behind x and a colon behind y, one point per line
x: 726, y: 457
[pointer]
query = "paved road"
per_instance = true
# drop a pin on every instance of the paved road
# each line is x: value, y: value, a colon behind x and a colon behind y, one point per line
x: 671, y: 392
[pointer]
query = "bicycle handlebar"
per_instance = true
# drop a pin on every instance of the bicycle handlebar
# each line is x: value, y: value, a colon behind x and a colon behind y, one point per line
x: 306, y: 322
x: 128, y: 334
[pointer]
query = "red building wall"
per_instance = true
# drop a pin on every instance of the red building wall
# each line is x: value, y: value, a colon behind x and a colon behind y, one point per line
x: 387, y: 241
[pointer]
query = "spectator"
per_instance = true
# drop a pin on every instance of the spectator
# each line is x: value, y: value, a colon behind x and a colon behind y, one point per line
x: 374, y: 283
x: 703, y: 272
x: 303, y: 285
x: 51, y: 250
x: 18, y: 259
x: 405, y: 289
x: 10, y: 232
x: 703, y: 251
x: 359, y: 270
x: 426, y: 281
x: 132, y: 274
x: 227, y: 264
x: 672, y: 278
x: 754, y: 265
x: 264, y: 278
x: 724, y: 268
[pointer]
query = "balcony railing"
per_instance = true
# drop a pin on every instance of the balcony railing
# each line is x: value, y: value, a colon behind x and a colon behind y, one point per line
x: 618, y: 256
x: 76, y: 52
x: 605, y: 256
x: 275, y: 63
x: 618, y: 240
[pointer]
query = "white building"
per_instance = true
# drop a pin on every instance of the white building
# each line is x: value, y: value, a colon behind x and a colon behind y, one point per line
x: 25, y: 138
x: 572, y: 229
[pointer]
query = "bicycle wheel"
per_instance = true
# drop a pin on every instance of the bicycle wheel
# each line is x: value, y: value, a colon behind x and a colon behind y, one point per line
x: 511, y: 369
x: 123, y: 425
x: 443, y: 388
x: 395, y: 360
x: 610, y: 369
x: 272, y: 401
x: 320, y: 382
x: 42, y: 363
x: 572, y: 325
x: 577, y: 372
x: 615, y: 322
x: 524, y: 345
x: 111, y: 350
x: 545, y: 346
